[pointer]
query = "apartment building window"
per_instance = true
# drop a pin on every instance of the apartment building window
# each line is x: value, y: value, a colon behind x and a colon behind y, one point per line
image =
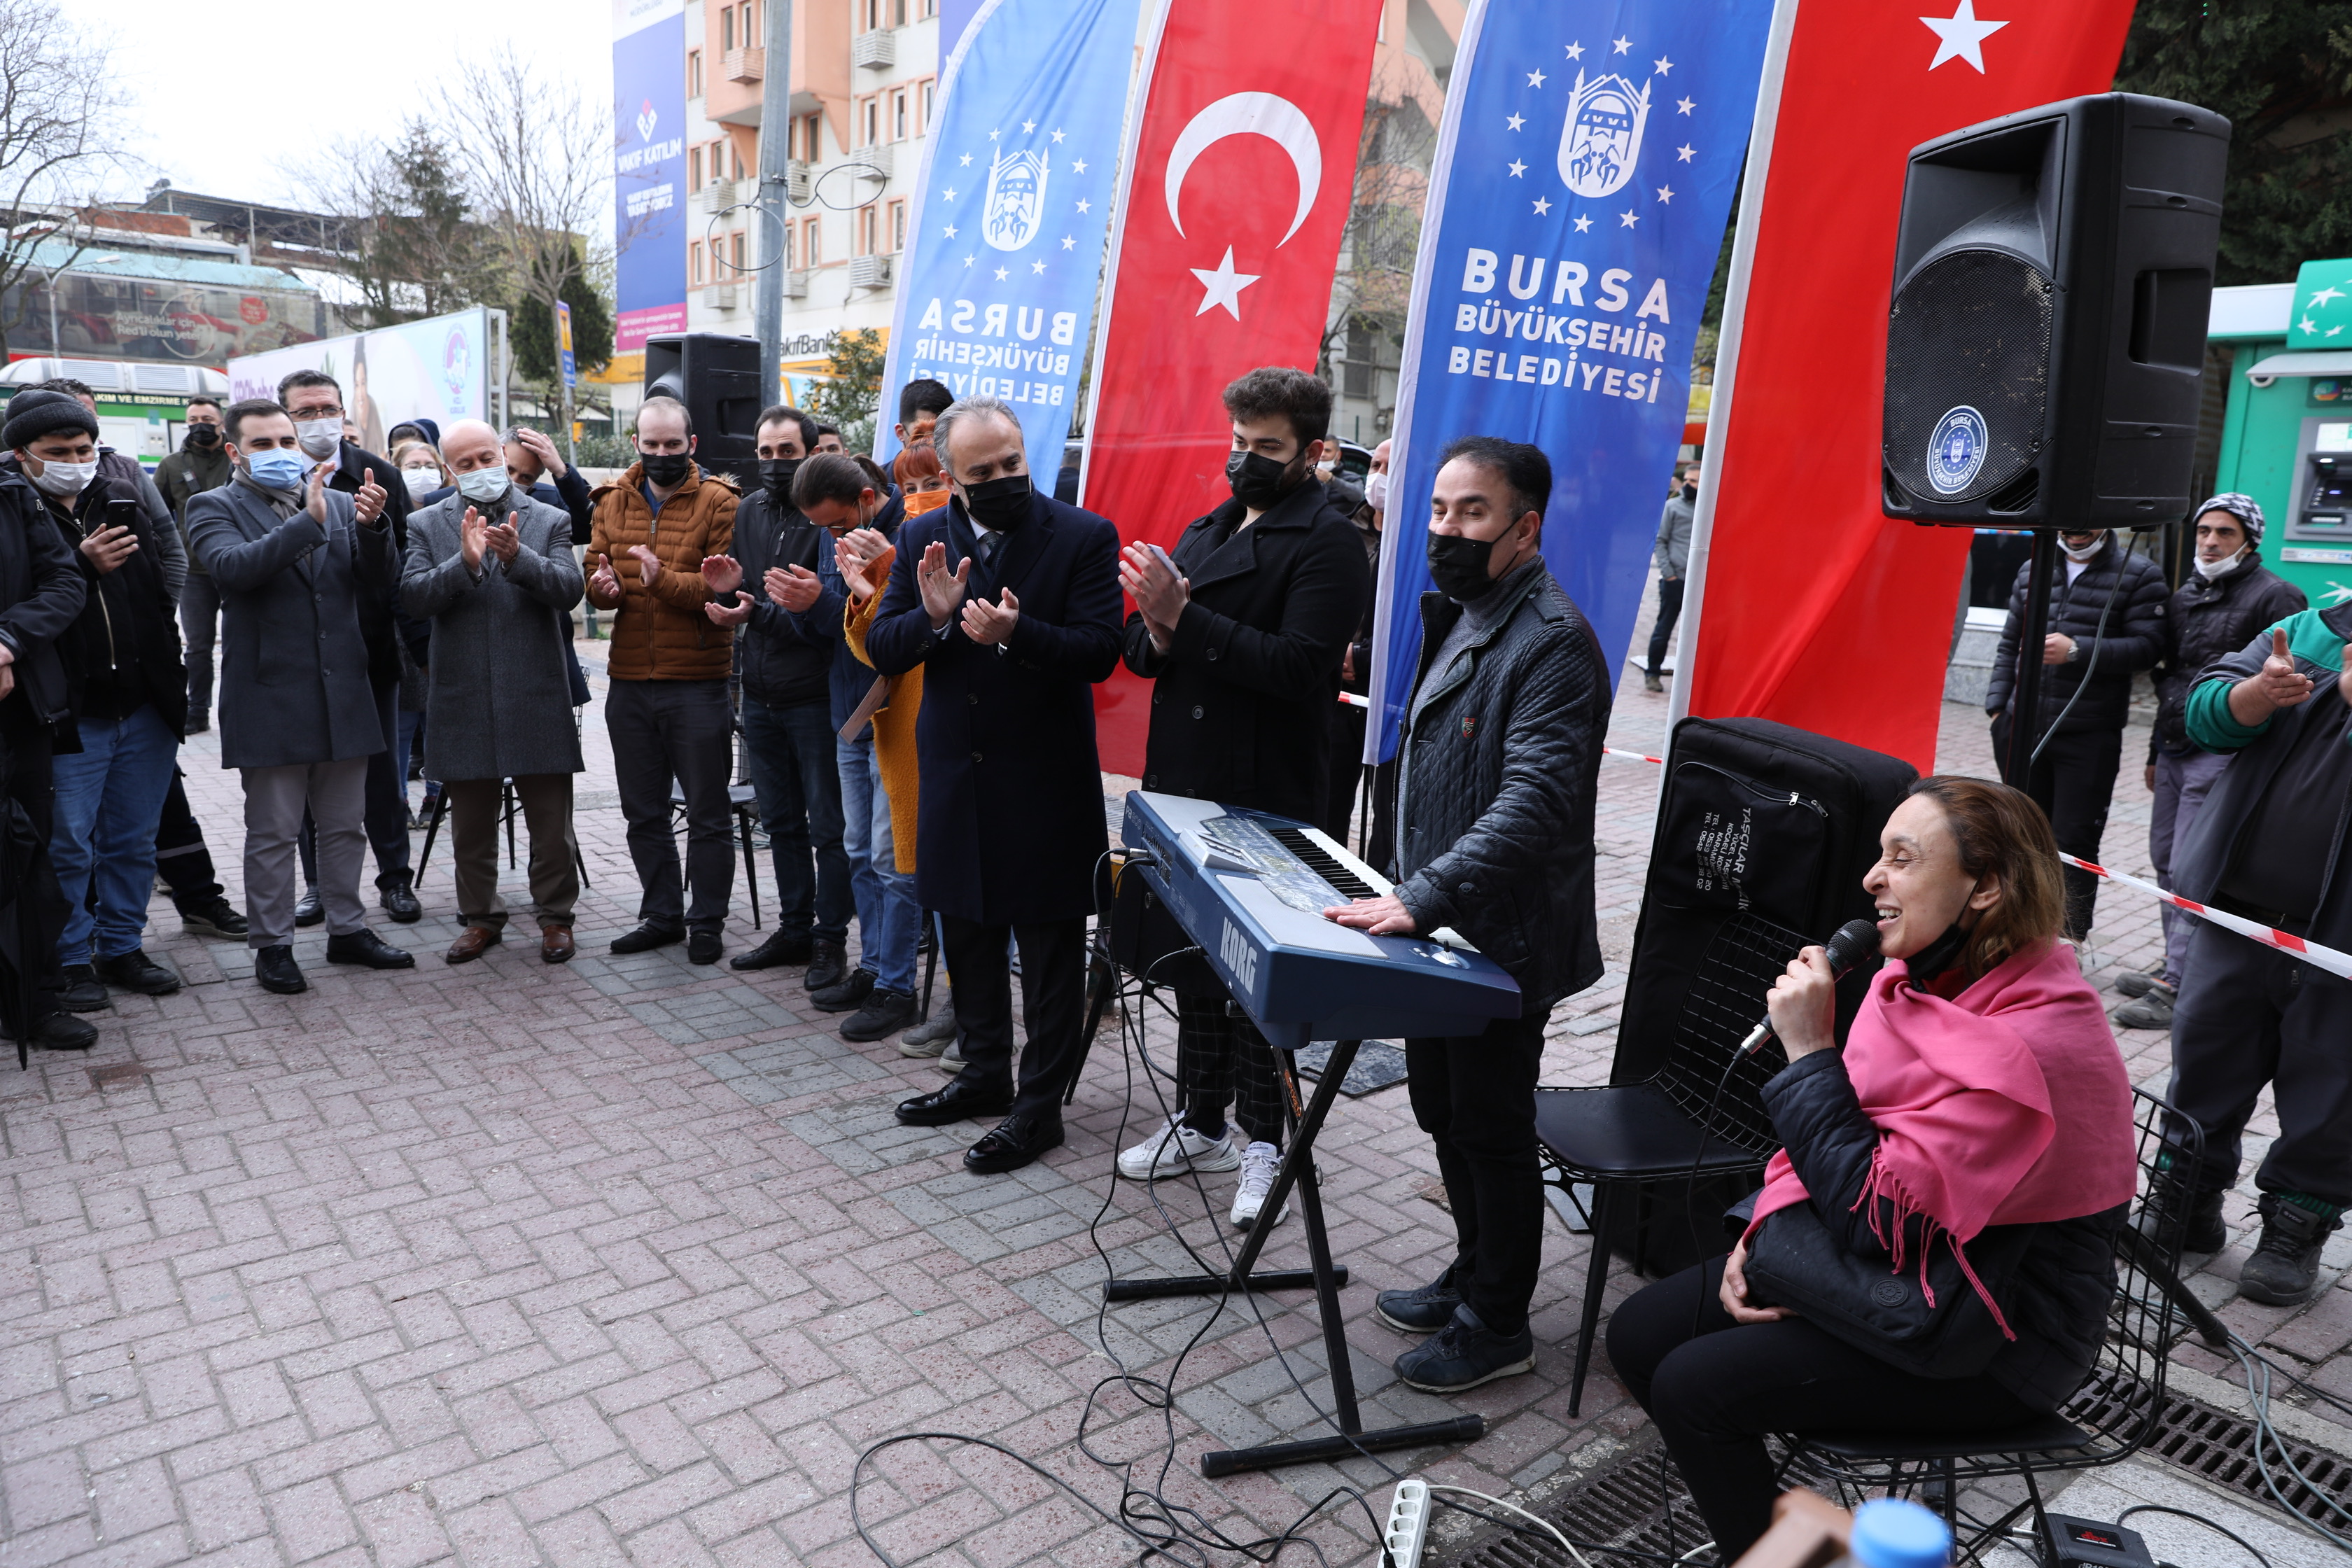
x: 897, y: 226
x: 898, y: 13
x: 736, y: 247
x: 867, y: 230
x: 694, y: 168
x: 898, y: 127
x: 926, y: 99
x: 804, y: 133
x: 694, y: 73
x: 694, y: 260
x: 811, y: 249
x: 726, y: 27
x: 869, y: 120
x: 925, y: 9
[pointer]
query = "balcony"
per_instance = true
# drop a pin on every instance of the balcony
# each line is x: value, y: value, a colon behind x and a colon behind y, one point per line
x: 742, y: 65
x: 872, y: 163
x: 716, y: 196
x: 877, y: 50
x: 718, y: 296
x: 796, y: 285
x: 869, y: 271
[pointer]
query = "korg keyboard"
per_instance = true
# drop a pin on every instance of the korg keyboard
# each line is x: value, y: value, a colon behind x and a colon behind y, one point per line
x: 1251, y: 889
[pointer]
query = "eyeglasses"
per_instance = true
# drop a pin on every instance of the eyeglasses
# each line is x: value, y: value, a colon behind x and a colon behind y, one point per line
x: 330, y: 412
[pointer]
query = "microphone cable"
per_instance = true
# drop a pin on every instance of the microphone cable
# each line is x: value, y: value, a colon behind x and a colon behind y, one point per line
x: 2091, y: 665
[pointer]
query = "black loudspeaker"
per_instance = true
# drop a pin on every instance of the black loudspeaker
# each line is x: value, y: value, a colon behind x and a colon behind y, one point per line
x: 2045, y: 350
x: 717, y: 376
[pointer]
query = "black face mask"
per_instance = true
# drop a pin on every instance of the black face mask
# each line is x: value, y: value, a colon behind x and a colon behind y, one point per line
x: 665, y: 469
x: 203, y: 435
x: 1258, y: 481
x: 1458, y: 567
x: 1690, y: 493
x: 776, y: 474
x: 1001, y: 505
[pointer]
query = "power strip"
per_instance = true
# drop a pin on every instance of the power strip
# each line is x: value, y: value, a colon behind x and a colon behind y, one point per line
x: 1408, y: 1524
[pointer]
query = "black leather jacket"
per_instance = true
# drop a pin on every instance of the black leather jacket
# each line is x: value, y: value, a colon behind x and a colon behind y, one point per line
x: 1495, y: 835
x: 2134, y: 639
x: 782, y: 665
x: 2057, y: 1300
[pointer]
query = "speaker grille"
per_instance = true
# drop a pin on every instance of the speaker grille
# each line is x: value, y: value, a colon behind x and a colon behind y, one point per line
x: 1970, y: 331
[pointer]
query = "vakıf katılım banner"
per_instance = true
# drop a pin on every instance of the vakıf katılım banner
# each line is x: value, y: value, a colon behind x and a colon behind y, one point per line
x: 999, y: 276
x: 1584, y: 173
x: 648, y: 170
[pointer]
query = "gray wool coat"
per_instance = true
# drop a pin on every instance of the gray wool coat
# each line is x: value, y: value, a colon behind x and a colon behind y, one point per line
x: 497, y: 699
x: 294, y: 663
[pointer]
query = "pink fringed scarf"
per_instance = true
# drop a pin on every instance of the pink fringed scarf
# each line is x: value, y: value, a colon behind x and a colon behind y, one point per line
x: 2006, y: 1105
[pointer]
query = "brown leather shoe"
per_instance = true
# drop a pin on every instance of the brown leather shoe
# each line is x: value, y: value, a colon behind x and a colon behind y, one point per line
x: 472, y: 942
x: 555, y: 944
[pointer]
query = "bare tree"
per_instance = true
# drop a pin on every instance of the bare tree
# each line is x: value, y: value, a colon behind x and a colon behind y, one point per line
x: 1373, y: 285
x: 57, y: 96
x: 535, y: 156
x: 419, y: 252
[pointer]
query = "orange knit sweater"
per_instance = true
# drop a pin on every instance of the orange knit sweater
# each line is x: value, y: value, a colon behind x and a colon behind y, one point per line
x: 894, y: 723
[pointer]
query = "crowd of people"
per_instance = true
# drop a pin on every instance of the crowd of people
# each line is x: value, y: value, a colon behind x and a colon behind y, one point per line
x: 906, y: 660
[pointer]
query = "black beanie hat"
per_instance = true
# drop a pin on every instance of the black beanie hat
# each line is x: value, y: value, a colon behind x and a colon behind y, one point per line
x: 35, y: 413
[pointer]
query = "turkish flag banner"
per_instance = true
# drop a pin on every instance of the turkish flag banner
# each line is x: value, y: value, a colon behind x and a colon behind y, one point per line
x: 1235, y: 193
x: 1807, y: 604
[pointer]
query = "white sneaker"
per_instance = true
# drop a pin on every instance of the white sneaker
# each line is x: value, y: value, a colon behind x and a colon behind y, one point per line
x: 1174, y: 1147
x: 1259, y: 1162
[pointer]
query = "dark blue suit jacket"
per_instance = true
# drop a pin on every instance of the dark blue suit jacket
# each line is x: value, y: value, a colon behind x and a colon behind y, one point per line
x: 1010, y: 825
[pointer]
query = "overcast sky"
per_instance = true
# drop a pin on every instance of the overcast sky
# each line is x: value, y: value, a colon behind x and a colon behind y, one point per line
x: 234, y: 110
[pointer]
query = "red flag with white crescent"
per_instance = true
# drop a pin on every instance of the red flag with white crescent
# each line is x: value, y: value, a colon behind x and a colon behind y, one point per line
x: 1237, y: 187
x: 1808, y: 605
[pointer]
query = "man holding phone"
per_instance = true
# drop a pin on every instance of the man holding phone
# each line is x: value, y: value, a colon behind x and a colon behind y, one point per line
x: 129, y: 693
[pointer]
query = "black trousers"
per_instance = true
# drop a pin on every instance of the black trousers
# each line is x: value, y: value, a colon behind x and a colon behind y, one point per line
x: 181, y: 857
x: 1053, y: 1005
x: 1475, y: 1098
x: 2250, y: 1015
x: 1218, y: 1055
x: 681, y: 730
x: 2074, y: 783
x: 28, y: 774
x: 1670, y: 610
x: 1716, y: 1391
x: 387, y: 806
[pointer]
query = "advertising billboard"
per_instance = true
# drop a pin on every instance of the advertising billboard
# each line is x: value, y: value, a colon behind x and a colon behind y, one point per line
x: 648, y: 170
x: 441, y: 368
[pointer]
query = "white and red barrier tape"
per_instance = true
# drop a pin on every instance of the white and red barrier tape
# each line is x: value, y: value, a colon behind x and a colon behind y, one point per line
x: 2311, y: 952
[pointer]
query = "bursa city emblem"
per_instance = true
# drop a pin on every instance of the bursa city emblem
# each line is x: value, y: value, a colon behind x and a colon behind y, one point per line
x: 1955, y: 452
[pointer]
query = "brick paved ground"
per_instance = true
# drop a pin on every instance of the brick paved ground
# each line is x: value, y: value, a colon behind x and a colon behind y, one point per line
x: 628, y: 1262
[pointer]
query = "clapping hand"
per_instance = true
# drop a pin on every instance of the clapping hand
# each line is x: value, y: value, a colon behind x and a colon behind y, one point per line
x: 649, y: 564
x: 367, y: 502
x: 473, y: 538
x: 109, y: 547
x: 721, y: 575
x: 1159, y: 592
x: 7, y: 670
x: 989, y: 625
x: 793, y: 588
x: 730, y: 615
x: 602, y: 581
x: 942, y: 590
x: 505, y: 540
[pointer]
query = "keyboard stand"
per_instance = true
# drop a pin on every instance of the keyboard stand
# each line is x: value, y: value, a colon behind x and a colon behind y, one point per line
x: 1297, y: 1169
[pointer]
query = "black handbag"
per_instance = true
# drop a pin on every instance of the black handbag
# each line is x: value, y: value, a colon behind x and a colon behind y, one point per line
x: 1795, y: 1261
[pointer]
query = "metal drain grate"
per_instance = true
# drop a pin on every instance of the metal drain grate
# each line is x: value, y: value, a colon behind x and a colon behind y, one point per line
x: 1620, y: 1506
x: 2219, y: 1446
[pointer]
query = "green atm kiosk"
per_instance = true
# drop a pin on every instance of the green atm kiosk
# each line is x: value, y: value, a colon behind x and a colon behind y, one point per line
x: 2286, y: 437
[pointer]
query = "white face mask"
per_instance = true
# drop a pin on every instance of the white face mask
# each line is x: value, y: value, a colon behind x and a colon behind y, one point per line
x: 483, y: 484
x: 421, y: 482
x: 321, y: 439
x: 65, y: 478
x: 2210, y: 570
x: 2096, y: 544
x: 1376, y: 490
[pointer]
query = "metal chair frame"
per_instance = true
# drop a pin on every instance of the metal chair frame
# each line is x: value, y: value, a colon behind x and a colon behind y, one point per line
x: 2109, y: 1419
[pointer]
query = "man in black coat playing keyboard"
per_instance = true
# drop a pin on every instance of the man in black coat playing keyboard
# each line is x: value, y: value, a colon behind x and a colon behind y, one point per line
x: 1501, y: 748
x: 1009, y: 601
x: 1242, y: 632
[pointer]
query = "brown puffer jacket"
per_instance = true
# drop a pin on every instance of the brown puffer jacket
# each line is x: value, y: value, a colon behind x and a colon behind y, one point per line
x: 660, y: 633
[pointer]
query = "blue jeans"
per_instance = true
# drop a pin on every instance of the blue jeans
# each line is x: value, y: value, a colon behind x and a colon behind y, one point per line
x: 110, y: 800
x: 797, y: 777
x: 887, y: 914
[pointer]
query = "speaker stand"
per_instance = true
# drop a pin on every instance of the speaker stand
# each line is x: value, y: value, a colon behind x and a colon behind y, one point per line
x: 1326, y: 1277
x: 2025, y: 724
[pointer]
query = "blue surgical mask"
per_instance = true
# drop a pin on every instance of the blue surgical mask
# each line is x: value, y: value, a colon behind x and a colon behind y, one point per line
x: 277, y: 467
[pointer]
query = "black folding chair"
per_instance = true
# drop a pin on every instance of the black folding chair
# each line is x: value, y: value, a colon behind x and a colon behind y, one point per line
x: 1686, y: 1124
x: 2109, y: 1419
x: 743, y: 804
x: 508, y: 808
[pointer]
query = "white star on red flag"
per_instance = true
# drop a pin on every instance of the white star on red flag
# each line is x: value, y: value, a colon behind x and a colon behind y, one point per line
x: 1960, y: 36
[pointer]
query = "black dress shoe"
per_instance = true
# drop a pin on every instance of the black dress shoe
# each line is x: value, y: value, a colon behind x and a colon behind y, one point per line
x: 828, y: 965
x: 704, y: 947
x: 364, y: 947
x: 308, y: 910
x: 134, y: 971
x: 846, y: 997
x: 780, y: 948
x: 646, y: 937
x: 276, y: 969
x: 1017, y: 1141
x: 959, y: 1102
x: 399, y: 900
x: 61, y: 1032
x: 84, y: 992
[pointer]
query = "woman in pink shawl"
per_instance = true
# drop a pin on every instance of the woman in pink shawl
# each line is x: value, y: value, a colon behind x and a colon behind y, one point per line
x: 1980, y: 1087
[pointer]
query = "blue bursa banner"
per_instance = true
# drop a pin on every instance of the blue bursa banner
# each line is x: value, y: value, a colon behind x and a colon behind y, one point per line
x: 1012, y: 212
x: 1584, y: 173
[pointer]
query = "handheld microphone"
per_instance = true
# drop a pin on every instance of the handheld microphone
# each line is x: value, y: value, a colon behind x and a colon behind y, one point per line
x: 1852, y: 942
